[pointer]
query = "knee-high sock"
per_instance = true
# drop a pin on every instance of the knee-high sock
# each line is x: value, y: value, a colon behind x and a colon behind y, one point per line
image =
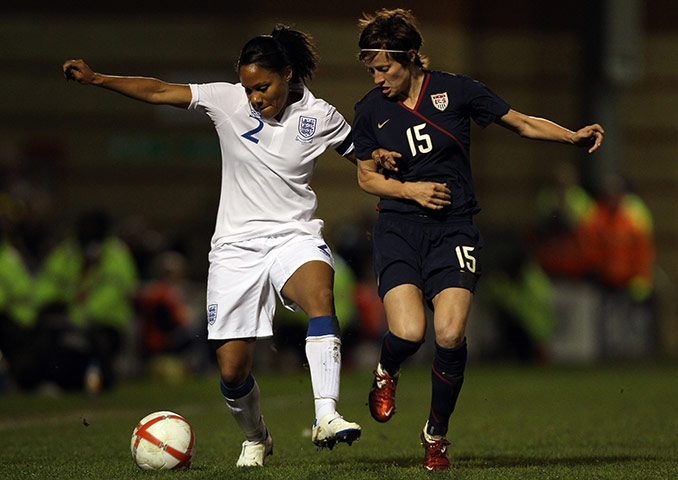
x: 447, y: 377
x: 323, y: 352
x: 243, y: 403
x: 394, y: 351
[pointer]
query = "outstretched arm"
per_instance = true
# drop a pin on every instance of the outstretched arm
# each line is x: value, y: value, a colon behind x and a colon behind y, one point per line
x: 427, y: 194
x: 150, y: 90
x: 590, y: 136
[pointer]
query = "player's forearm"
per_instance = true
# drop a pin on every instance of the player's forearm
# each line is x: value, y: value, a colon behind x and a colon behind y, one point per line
x: 375, y: 183
x: 542, y: 129
x: 536, y: 128
x: 149, y: 90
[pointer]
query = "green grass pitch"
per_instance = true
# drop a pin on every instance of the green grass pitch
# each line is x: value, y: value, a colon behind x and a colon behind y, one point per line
x: 512, y: 422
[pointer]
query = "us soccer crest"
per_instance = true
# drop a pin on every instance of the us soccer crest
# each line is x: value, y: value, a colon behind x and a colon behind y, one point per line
x: 307, y: 126
x: 440, y: 101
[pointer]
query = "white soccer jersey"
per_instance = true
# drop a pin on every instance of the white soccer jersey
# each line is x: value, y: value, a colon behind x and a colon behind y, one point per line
x: 267, y: 165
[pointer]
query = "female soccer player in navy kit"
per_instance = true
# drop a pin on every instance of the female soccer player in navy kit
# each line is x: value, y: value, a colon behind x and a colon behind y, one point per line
x: 416, y: 125
x: 266, y: 242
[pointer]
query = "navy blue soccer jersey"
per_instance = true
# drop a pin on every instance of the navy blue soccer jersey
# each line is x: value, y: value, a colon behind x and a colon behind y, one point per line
x: 433, y: 138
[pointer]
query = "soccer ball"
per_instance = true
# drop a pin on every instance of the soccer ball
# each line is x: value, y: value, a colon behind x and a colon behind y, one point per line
x: 163, y: 441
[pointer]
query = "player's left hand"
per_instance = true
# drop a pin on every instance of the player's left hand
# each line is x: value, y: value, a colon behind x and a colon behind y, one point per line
x: 386, y: 159
x: 590, y: 136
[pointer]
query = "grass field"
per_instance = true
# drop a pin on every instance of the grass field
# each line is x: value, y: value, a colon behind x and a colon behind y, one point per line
x: 616, y: 422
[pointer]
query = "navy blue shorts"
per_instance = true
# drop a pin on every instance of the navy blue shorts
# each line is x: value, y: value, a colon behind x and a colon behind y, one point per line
x: 427, y: 253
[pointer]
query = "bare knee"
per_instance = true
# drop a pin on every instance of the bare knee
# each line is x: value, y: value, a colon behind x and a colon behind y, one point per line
x: 413, y: 332
x: 450, y: 334
x: 233, y: 375
x: 235, y: 359
x: 450, y: 339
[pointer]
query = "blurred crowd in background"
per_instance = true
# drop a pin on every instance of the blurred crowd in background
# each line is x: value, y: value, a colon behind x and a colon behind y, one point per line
x: 86, y: 303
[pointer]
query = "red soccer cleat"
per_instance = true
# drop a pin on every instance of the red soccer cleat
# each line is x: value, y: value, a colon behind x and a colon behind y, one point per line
x: 435, y: 457
x: 436, y: 452
x: 382, y: 395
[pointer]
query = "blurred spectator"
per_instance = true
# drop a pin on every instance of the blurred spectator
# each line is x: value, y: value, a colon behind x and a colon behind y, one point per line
x: 520, y: 297
x: 84, y: 294
x: 561, y: 248
x: 620, y: 230
x: 599, y: 252
x: 29, y: 177
x: 165, y: 318
x: 560, y: 245
x: 144, y: 242
x: 17, y: 315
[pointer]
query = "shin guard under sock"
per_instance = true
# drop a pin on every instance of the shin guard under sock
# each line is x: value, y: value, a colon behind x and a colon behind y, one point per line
x: 243, y: 403
x: 447, y: 377
x: 323, y: 352
x: 394, y: 351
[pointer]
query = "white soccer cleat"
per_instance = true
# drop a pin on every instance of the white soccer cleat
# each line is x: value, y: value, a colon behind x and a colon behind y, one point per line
x: 254, y: 453
x: 332, y: 429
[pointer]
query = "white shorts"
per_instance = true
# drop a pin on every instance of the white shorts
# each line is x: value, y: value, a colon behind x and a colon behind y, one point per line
x: 244, y: 278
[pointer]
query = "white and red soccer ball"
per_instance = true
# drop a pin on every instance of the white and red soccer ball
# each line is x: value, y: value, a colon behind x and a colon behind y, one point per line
x: 163, y: 441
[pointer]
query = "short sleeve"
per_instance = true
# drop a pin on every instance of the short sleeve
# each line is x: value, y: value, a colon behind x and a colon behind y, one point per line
x: 338, y: 132
x: 217, y: 99
x: 364, y: 139
x: 485, y: 106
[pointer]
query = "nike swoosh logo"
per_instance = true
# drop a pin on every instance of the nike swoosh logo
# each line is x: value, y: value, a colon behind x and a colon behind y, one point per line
x: 388, y: 412
x: 379, y: 125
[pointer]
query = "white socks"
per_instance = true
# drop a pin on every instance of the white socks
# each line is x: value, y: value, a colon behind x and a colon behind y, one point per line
x: 245, y: 411
x: 324, y: 361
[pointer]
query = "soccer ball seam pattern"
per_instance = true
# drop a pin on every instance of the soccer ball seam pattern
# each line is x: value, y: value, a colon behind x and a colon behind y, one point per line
x: 163, y: 441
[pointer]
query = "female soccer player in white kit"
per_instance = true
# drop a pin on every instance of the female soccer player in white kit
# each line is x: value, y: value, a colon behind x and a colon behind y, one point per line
x: 266, y: 242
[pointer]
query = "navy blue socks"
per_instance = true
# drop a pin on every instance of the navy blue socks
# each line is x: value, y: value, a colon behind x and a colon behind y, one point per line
x: 447, y: 377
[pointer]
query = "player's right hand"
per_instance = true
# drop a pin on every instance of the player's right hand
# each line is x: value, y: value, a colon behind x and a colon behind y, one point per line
x: 435, y: 196
x: 78, y: 70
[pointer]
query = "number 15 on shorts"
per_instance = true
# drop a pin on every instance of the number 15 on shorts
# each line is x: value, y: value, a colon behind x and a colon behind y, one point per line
x: 466, y: 259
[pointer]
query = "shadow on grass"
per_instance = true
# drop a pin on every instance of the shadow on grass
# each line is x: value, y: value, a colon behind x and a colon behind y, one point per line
x: 500, y: 461
x: 494, y: 461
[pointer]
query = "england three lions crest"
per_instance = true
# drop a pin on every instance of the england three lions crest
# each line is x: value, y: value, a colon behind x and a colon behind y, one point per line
x: 440, y: 101
x: 306, y: 128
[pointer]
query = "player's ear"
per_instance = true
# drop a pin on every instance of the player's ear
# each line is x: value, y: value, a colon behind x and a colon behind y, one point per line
x: 412, y: 55
x: 287, y: 74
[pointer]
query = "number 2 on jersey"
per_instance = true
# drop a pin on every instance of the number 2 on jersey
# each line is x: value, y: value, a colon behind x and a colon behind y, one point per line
x: 466, y: 258
x: 250, y: 135
x: 424, y: 147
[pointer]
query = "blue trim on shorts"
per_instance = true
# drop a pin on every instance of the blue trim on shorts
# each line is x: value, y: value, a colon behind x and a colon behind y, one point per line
x: 321, y: 326
x: 239, y: 391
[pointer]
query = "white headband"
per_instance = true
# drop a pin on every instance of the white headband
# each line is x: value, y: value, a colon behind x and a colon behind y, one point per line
x: 382, y: 50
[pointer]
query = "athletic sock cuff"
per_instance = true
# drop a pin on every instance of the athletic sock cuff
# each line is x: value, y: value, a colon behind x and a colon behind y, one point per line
x: 323, y: 326
x: 239, y: 391
x: 411, y: 342
x: 459, y: 347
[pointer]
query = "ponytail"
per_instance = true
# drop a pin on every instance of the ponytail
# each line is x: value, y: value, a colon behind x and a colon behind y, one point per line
x: 283, y: 48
